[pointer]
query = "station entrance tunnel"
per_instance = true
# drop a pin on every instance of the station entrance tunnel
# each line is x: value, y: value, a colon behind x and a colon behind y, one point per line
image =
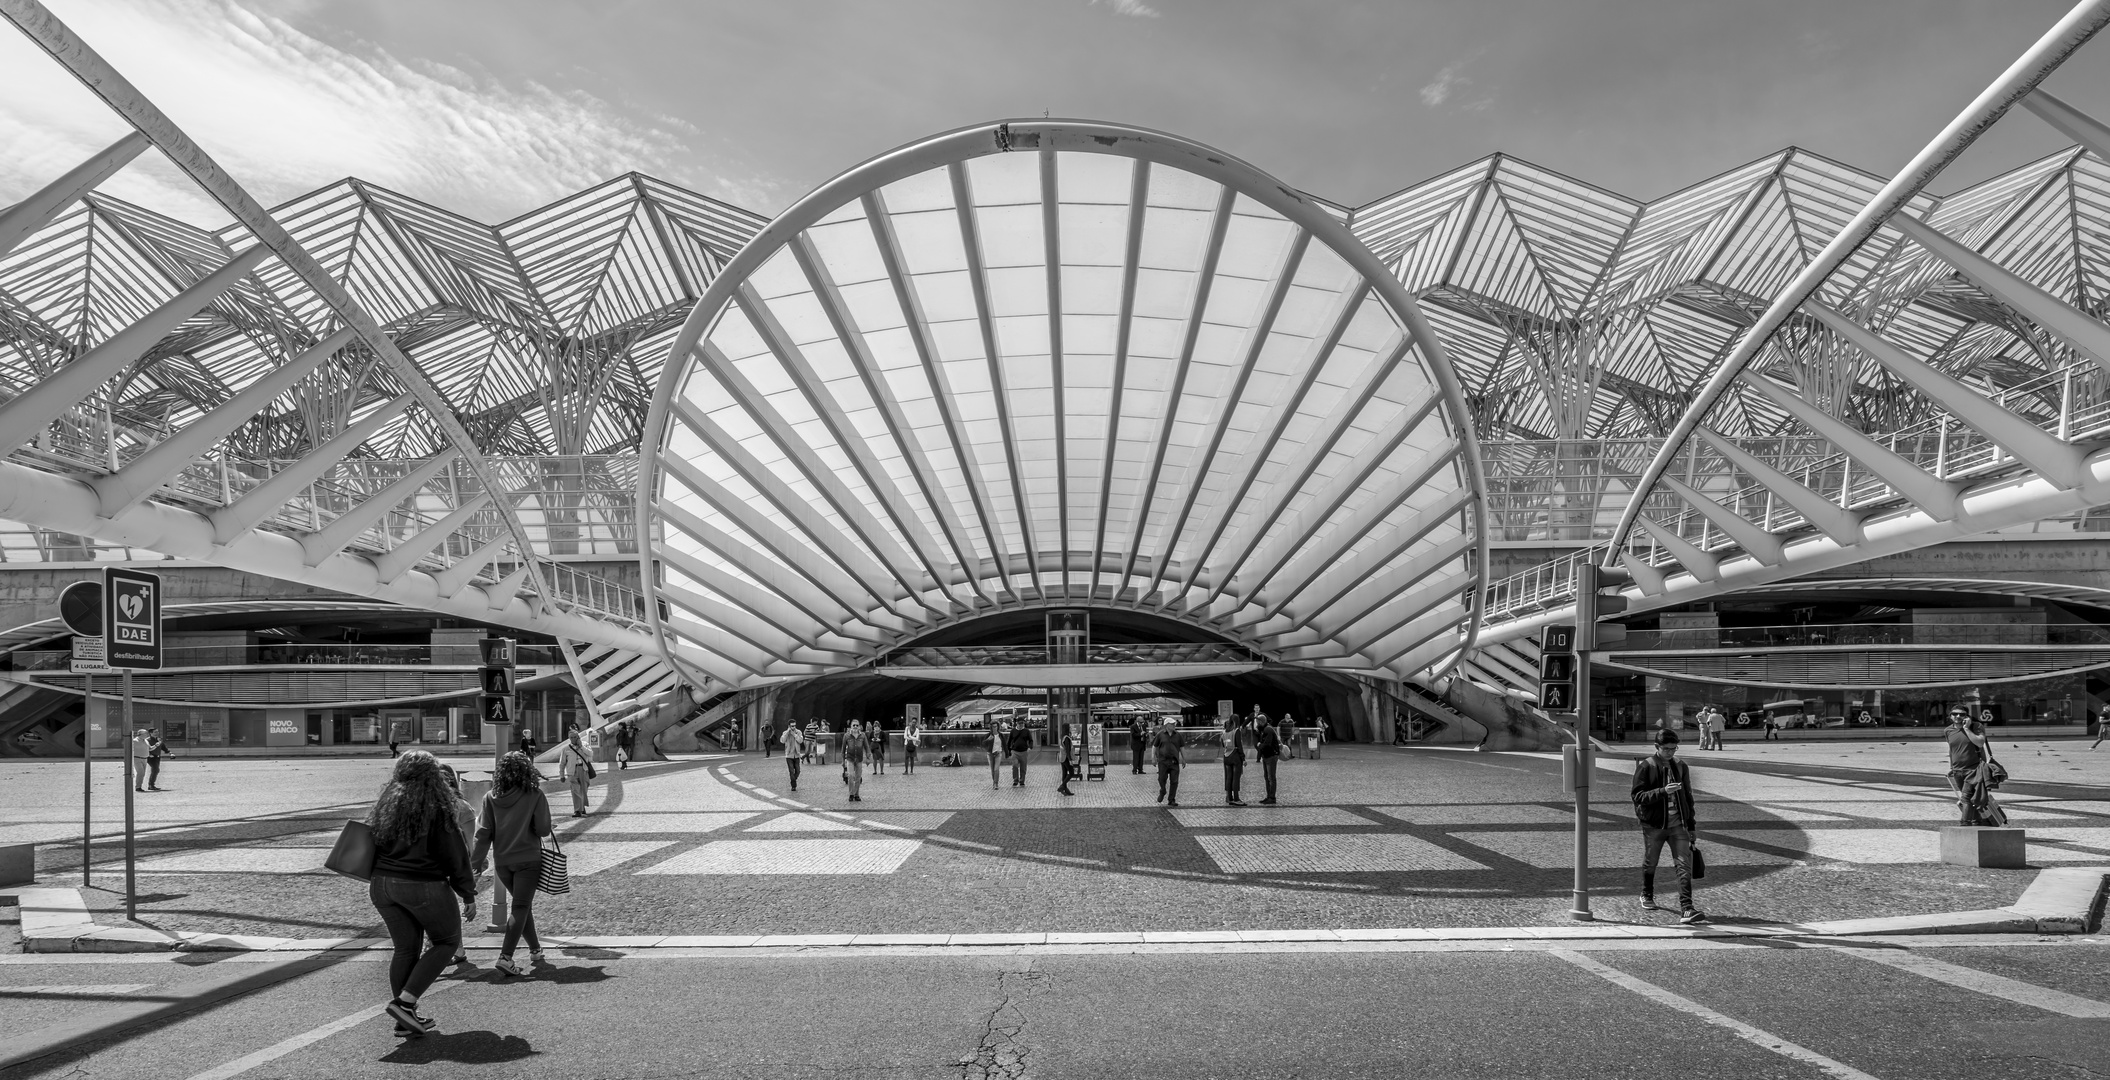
x: 1312, y: 695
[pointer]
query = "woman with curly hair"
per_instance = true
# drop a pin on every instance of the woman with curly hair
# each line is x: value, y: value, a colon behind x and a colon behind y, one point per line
x: 514, y: 819
x: 420, y: 858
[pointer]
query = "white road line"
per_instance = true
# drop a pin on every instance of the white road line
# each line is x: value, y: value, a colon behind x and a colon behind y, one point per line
x: 1987, y: 983
x: 1745, y: 1031
x: 305, y: 1039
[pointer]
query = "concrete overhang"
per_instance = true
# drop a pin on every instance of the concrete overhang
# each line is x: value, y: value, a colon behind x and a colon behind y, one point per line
x: 1053, y: 675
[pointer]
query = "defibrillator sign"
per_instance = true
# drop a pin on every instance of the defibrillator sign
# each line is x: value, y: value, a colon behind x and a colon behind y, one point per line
x: 132, y: 618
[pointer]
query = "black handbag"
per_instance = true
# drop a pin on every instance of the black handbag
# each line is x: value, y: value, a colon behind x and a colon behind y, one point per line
x: 1699, y: 863
x: 353, y: 855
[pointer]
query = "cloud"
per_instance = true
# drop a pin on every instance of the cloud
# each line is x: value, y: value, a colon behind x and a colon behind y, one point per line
x: 1448, y: 81
x: 286, y: 113
x: 1134, y: 9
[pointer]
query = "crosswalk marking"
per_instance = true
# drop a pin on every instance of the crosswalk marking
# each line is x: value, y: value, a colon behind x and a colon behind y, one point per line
x: 1987, y: 983
x: 1756, y: 1036
x: 74, y: 990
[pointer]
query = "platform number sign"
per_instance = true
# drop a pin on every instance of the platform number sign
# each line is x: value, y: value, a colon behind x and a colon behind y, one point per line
x: 1557, y: 669
x: 132, y: 618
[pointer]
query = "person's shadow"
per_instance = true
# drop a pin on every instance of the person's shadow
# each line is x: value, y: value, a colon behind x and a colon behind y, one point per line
x: 462, y: 1047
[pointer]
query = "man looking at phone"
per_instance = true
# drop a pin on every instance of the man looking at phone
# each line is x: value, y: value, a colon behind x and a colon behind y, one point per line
x: 1663, y: 805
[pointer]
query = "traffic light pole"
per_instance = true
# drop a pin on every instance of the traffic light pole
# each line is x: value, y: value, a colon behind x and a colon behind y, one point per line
x: 1583, y: 766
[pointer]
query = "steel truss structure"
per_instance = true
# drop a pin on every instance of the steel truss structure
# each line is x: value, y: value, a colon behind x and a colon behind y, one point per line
x: 1981, y: 313
x: 1056, y: 363
x: 1059, y: 362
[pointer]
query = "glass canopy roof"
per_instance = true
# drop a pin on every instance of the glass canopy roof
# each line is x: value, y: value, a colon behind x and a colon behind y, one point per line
x: 1056, y: 362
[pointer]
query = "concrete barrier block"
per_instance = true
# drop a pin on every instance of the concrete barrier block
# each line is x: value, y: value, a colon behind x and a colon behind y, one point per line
x: 2065, y: 899
x: 1983, y: 845
x: 18, y: 864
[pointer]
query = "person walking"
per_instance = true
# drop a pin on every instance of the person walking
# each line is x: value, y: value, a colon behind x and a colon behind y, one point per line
x: 605, y: 745
x: 854, y: 749
x: 572, y: 766
x: 1286, y: 737
x: 1067, y: 761
x: 999, y: 749
x: 875, y: 739
x: 421, y: 868
x: 1135, y: 745
x: 794, y: 742
x: 527, y: 741
x: 1268, y: 745
x: 1662, y: 794
x: 1166, y: 746
x: 768, y: 737
x: 1234, y: 761
x: 156, y: 750
x: 911, y: 742
x: 1020, y: 744
x: 509, y: 830
x: 626, y: 742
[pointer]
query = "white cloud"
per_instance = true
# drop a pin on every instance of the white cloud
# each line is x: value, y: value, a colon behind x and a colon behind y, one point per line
x: 1448, y: 81
x: 1134, y: 9
x: 286, y: 113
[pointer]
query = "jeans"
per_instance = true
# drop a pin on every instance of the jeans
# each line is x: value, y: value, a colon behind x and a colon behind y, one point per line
x: 414, y: 911
x: 854, y: 772
x: 1267, y: 772
x: 153, y: 772
x: 1135, y: 755
x: 1168, y: 781
x: 1234, y: 775
x: 1680, y: 842
x: 1018, y: 768
x: 521, y: 879
x: 791, y: 765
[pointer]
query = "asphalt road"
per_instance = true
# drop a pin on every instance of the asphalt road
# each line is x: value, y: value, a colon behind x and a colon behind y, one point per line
x: 1486, y: 1009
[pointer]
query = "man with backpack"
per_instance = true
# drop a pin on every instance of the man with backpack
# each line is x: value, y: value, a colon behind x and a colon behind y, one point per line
x: 1662, y: 794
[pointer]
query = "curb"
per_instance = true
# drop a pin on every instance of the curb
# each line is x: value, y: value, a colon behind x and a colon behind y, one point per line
x: 2065, y: 900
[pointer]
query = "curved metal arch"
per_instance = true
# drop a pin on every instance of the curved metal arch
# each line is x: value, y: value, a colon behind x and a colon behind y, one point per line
x: 949, y: 152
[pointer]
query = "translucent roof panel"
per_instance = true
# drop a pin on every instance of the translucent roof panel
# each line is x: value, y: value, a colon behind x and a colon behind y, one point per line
x: 1057, y: 363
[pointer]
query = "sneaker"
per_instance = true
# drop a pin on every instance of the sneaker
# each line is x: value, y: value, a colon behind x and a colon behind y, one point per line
x: 506, y: 966
x: 1648, y: 903
x: 535, y: 956
x: 1267, y: 802
x: 1161, y: 796
x: 407, y: 1019
x: 1692, y: 915
x: 1173, y: 805
x: 461, y: 956
x: 426, y: 1024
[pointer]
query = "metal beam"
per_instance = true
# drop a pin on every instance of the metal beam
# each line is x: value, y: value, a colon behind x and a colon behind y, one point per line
x: 401, y: 558
x: 1936, y: 496
x: 2057, y: 317
x: 1756, y: 542
x: 30, y: 412
x: 1835, y: 521
x: 17, y: 222
x: 268, y: 497
x: 338, y: 534
x: 144, y: 474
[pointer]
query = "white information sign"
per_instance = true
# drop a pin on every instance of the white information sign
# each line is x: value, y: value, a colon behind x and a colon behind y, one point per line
x: 88, y: 656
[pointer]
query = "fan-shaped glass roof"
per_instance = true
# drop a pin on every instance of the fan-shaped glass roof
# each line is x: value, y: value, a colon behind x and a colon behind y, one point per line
x: 1056, y: 362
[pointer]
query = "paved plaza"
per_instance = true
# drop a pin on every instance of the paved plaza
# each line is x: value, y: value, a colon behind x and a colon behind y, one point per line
x: 1365, y: 837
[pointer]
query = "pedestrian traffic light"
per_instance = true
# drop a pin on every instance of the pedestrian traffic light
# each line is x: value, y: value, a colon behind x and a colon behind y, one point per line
x: 1557, y: 669
x: 1597, y: 594
x: 497, y: 681
x: 497, y: 651
x: 498, y: 710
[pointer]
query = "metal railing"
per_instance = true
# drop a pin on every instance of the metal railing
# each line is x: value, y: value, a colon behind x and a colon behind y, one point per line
x: 1987, y: 632
x: 948, y: 656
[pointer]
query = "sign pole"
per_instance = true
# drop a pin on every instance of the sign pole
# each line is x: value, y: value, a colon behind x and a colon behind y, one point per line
x: 131, y: 889
x: 87, y: 775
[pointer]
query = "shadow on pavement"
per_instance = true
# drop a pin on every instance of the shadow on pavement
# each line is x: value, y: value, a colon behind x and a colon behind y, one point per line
x: 464, y: 1047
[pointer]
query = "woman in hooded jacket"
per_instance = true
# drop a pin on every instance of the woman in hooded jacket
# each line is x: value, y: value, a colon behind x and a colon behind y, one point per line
x: 419, y: 860
x: 510, y: 829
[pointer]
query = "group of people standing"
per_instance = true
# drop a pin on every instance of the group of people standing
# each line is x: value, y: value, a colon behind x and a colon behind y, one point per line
x: 859, y: 745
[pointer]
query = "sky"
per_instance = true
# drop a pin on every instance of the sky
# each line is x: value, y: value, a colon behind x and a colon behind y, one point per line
x: 494, y: 107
